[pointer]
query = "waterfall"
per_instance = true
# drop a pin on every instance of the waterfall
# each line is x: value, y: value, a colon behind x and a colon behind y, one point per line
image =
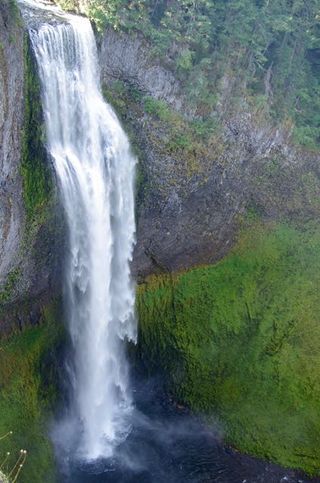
x: 95, y: 172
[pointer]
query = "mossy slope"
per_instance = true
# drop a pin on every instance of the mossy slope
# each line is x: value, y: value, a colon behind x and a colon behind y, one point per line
x: 241, y: 341
x: 28, y: 392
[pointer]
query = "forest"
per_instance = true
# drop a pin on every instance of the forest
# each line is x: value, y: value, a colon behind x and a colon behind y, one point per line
x: 270, y: 47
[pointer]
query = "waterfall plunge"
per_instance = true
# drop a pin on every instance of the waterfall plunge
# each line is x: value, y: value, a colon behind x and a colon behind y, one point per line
x: 95, y: 171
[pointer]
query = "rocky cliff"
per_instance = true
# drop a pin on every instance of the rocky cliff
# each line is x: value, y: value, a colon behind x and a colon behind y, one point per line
x: 196, y: 187
x: 11, y: 123
x: 235, y: 340
x: 29, y: 232
x: 233, y: 188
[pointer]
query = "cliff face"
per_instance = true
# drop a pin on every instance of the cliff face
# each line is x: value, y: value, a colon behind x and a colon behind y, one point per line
x: 235, y: 187
x: 11, y: 122
x: 29, y: 232
x: 129, y: 58
x: 234, y: 339
x: 195, y: 188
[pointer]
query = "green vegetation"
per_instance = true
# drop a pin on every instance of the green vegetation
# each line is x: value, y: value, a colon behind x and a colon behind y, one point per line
x: 170, y: 132
x: 11, y: 280
x: 262, y: 50
x: 15, y: 13
x: 189, y: 138
x: 34, y: 167
x: 239, y: 341
x: 28, y: 392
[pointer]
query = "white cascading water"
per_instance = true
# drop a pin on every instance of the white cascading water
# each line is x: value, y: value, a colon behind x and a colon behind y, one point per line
x: 95, y: 170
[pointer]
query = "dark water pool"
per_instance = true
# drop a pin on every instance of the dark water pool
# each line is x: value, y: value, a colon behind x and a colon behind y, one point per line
x: 168, y: 445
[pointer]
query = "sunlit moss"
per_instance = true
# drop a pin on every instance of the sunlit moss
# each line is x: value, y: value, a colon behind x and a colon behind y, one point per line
x: 28, y: 392
x: 241, y: 341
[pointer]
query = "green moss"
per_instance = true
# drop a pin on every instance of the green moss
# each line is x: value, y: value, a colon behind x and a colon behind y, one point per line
x: 160, y: 109
x: 241, y: 341
x: 28, y: 391
x: 15, y: 13
x: 116, y: 96
x: 6, y: 291
x: 37, y: 184
x: 191, y: 143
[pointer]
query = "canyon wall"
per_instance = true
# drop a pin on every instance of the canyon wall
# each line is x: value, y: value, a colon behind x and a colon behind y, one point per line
x: 195, y: 189
x: 235, y: 189
x: 30, y: 217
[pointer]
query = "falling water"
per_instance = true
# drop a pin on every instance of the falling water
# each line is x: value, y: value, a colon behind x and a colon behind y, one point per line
x: 95, y: 170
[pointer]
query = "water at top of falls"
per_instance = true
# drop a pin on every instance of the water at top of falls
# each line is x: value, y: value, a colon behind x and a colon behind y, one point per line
x: 95, y: 172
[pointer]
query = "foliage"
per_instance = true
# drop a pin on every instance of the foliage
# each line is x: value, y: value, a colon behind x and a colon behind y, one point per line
x: 187, y: 141
x: 189, y: 138
x: 240, y: 341
x: 28, y: 392
x: 270, y: 48
x: 159, y: 108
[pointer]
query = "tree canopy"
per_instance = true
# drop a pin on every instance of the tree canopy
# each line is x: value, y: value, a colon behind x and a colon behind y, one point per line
x: 272, y: 47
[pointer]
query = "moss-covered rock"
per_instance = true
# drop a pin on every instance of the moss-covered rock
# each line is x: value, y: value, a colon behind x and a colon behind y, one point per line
x: 37, y: 178
x: 28, y: 379
x: 198, y: 176
x: 31, y: 225
x: 240, y: 341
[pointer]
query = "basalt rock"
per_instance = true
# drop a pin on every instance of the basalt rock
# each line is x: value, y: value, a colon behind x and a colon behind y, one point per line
x: 196, y: 193
x: 30, y: 217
